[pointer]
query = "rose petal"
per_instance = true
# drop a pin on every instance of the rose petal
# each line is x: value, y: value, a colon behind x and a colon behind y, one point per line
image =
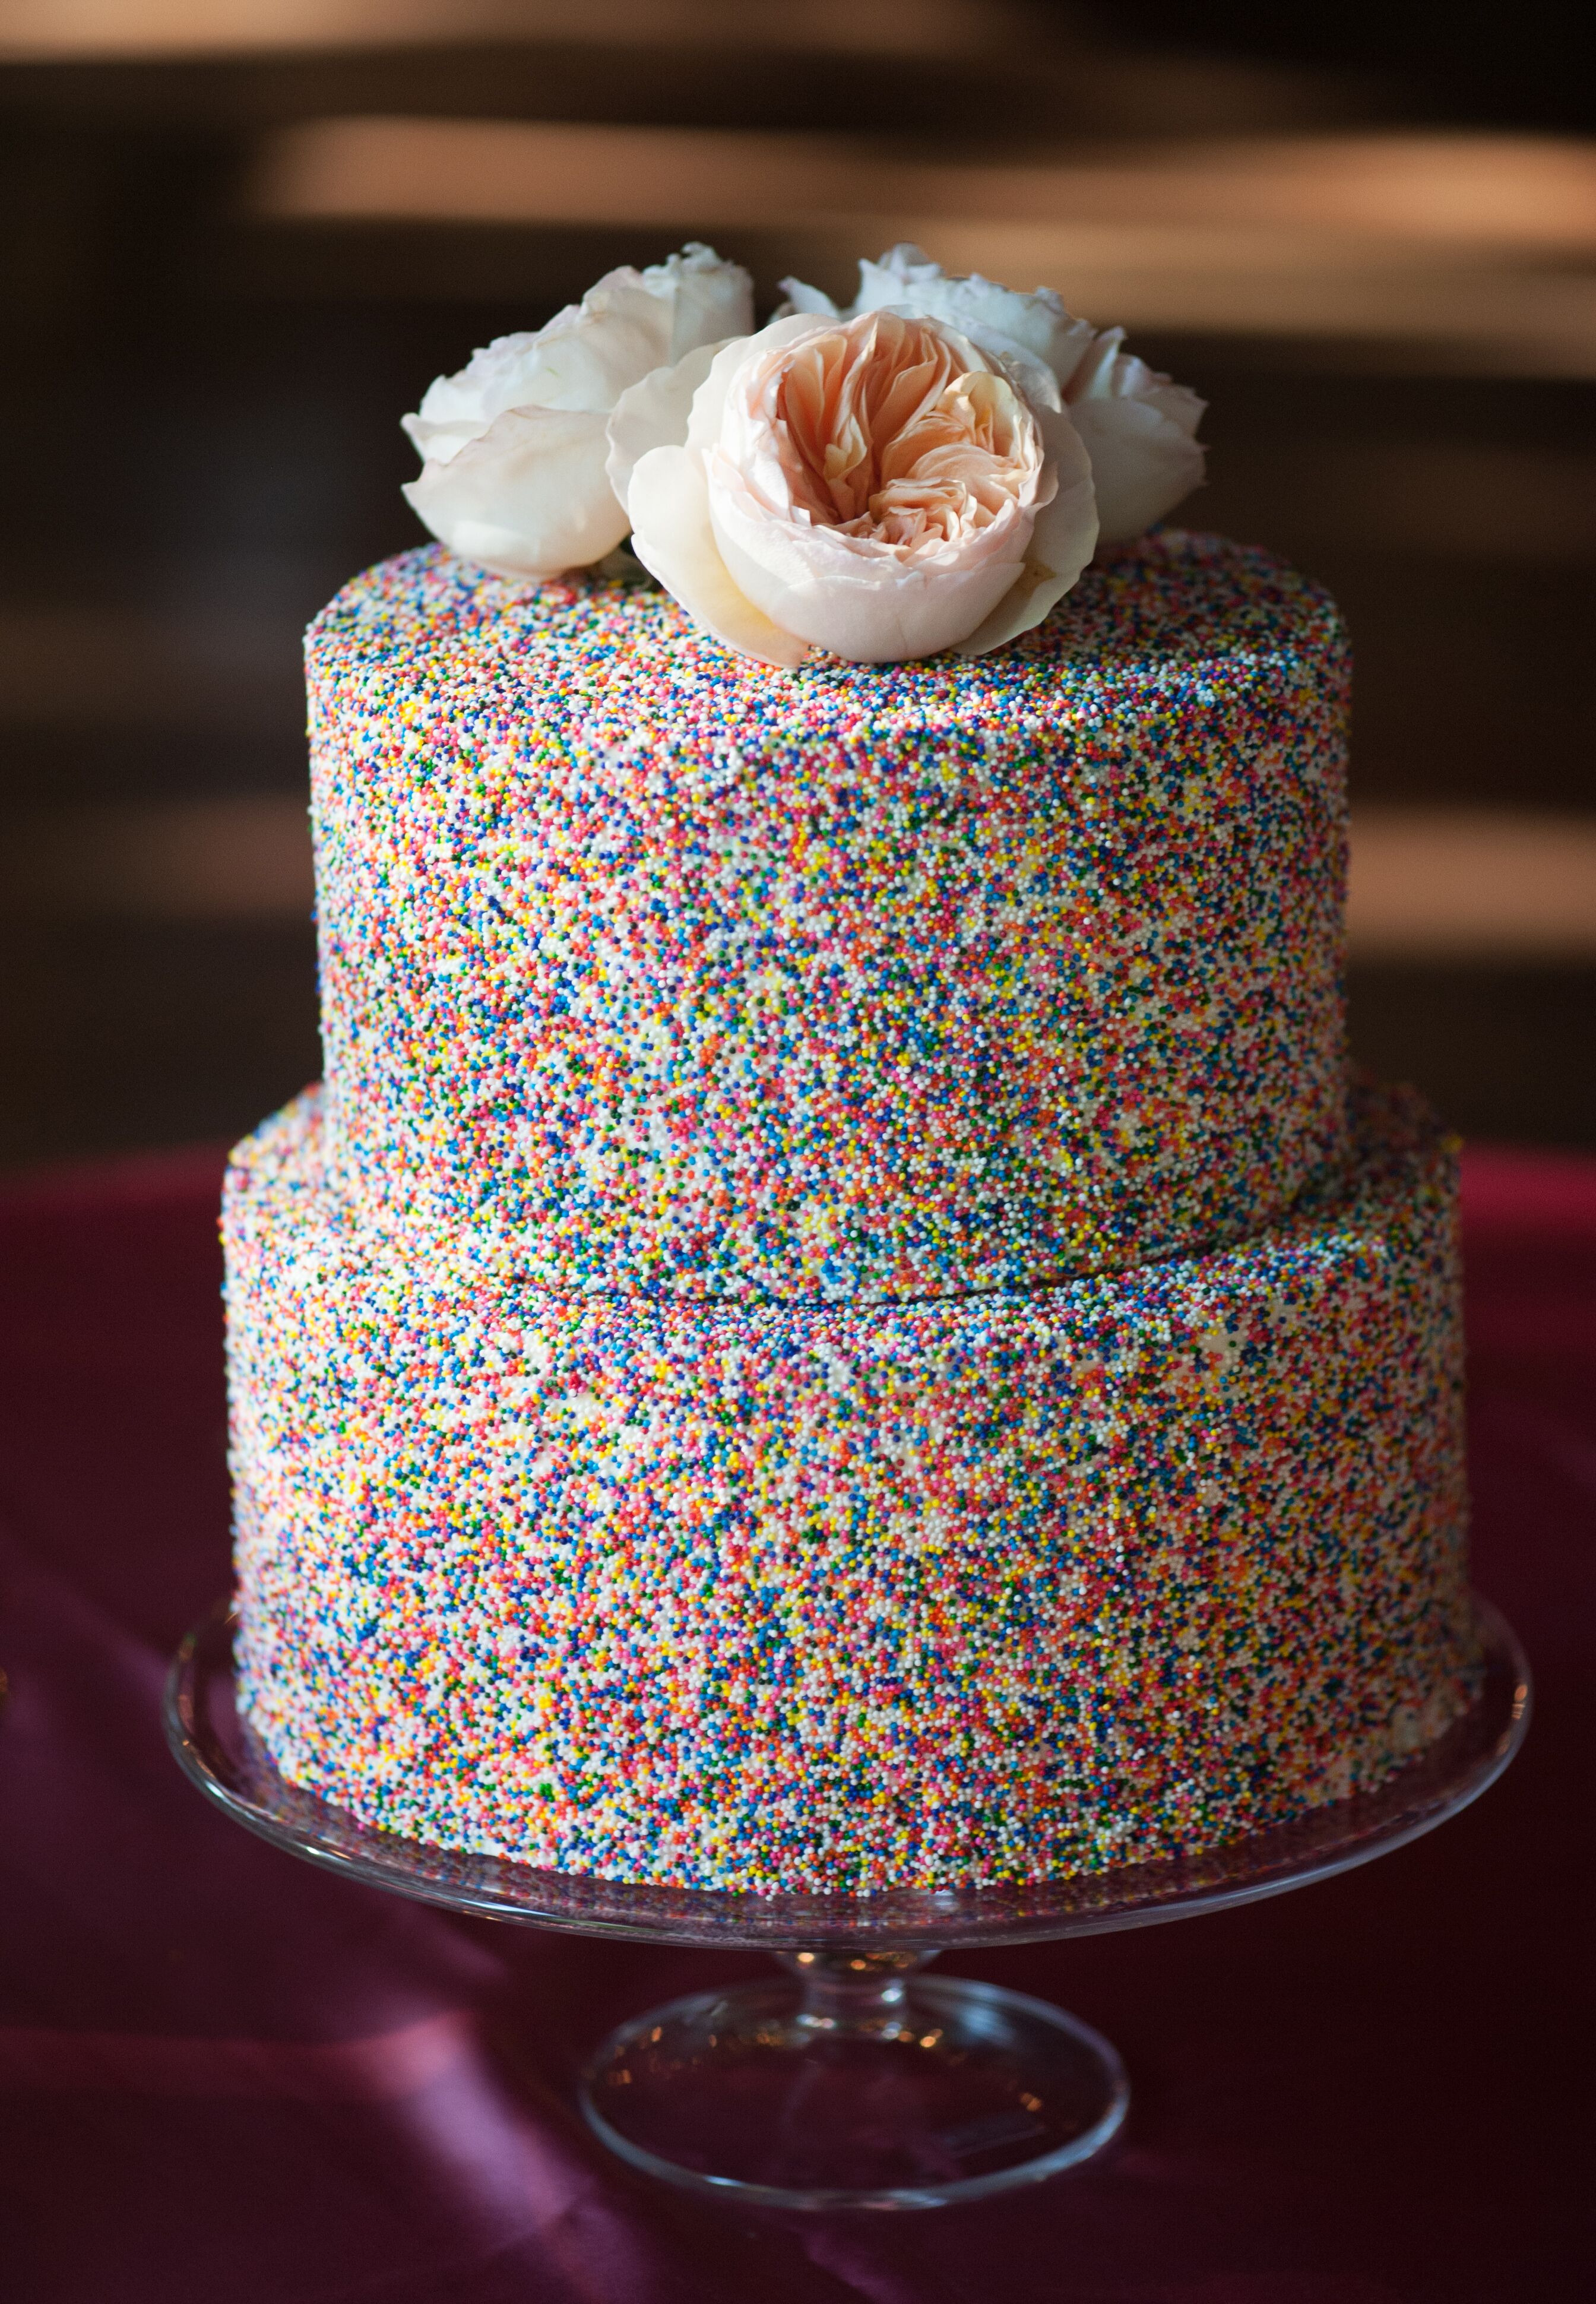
x: 1178, y: 402
x: 530, y: 499
x: 1062, y: 540
x: 672, y: 537
x: 801, y: 298
x: 860, y: 600
x: 655, y: 413
x: 709, y: 299
x: 585, y: 355
x: 710, y: 400
x: 1028, y: 374
x: 1035, y: 320
x: 488, y: 384
x: 1143, y: 462
x: 1103, y: 368
x: 619, y: 335
x: 440, y: 443
x: 626, y: 324
x: 919, y: 614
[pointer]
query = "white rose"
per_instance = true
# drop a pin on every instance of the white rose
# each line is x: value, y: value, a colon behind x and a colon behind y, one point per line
x: 514, y: 447
x: 1138, y: 427
x: 880, y: 487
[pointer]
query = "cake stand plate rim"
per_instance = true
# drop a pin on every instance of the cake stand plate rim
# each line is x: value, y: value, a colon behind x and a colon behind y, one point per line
x: 230, y: 1765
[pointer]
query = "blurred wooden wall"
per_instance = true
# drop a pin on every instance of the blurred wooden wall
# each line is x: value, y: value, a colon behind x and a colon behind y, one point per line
x: 243, y: 240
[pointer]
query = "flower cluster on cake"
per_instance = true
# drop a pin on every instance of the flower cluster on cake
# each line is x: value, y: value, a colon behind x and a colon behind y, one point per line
x: 932, y: 469
x: 836, y: 1322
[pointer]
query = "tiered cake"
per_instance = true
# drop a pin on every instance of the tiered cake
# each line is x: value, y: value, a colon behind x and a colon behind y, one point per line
x: 833, y: 1323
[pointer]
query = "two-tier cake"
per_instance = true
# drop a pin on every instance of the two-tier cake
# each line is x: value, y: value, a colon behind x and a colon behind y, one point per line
x: 834, y: 1323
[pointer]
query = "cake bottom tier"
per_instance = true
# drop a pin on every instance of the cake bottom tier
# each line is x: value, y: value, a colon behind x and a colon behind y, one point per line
x: 992, y: 1588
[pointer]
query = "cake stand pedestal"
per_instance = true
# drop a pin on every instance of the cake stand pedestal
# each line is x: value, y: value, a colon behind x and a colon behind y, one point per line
x: 854, y: 2081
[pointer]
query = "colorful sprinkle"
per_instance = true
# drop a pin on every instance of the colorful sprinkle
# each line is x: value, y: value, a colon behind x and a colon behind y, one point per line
x: 829, y: 1330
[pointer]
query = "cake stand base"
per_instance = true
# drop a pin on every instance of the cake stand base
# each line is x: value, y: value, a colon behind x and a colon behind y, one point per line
x: 855, y: 2083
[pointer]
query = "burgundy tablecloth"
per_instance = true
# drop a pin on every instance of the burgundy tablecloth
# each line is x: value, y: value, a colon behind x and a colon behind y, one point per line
x: 223, y: 2076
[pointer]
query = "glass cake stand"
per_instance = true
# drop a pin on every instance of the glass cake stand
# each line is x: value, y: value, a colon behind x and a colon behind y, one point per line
x: 854, y: 2081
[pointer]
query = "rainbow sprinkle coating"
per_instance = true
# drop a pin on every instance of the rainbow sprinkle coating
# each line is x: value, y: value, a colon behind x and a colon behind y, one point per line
x: 830, y: 1328
x: 683, y: 975
x: 765, y: 1596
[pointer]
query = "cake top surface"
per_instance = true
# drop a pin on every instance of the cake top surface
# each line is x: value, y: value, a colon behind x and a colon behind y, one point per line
x: 1160, y: 626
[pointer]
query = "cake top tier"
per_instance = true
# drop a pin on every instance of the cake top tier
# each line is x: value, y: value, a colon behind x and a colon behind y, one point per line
x: 678, y: 972
x: 1165, y: 626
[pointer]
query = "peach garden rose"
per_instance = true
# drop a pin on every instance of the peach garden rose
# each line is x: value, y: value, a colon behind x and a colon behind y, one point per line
x: 930, y: 468
x: 1139, y: 427
x: 880, y: 486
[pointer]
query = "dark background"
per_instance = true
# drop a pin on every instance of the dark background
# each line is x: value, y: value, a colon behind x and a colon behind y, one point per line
x: 200, y: 408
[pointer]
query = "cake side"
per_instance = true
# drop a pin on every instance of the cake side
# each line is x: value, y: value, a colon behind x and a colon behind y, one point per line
x: 680, y: 975
x: 760, y: 1596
